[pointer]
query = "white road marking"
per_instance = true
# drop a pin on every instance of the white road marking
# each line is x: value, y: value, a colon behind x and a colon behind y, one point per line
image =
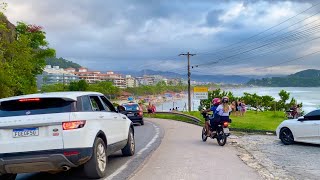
x: 124, y: 166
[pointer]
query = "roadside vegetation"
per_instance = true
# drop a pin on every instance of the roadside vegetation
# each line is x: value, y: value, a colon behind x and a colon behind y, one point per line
x: 255, y: 101
x: 24, y: 49
x: 251, y: 122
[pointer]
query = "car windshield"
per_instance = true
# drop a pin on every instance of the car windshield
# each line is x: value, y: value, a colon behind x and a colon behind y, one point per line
x: 34, y: 106
x: 131, y: 107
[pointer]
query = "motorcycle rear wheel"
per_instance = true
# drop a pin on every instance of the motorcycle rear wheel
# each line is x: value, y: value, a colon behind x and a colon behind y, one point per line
x: 221, y: 137
x: 204, y: 135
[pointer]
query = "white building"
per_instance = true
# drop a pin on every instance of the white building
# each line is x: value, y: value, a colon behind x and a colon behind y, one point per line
x: 131, y: 81
x: 54, y: 75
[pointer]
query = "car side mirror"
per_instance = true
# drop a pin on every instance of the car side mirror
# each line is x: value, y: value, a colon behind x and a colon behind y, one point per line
x: 120, y: 109
x: 301, y: 119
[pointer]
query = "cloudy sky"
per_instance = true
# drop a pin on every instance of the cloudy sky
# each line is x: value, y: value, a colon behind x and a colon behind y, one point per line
x: 130, y: 35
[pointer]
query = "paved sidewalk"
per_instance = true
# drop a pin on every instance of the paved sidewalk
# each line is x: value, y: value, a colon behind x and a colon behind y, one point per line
x: 183, y: 155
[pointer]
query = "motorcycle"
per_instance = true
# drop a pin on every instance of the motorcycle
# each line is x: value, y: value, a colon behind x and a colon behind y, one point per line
x: 219, y: 131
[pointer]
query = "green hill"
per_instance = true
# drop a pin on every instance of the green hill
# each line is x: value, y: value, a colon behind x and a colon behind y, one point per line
x: 306, y: 78
x: 62, y: 63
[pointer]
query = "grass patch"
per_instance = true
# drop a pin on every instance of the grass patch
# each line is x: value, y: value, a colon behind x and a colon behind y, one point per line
x: 252, y: 121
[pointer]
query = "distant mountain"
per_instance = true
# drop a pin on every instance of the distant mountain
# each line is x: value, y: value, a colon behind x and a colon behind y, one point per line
x: 202, y: 78
x: 306, y: 78
x: 62, y: 63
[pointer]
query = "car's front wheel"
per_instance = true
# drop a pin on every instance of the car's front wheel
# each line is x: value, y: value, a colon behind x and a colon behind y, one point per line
x: 130, y: 147
x: 286, y: 136
x: 96, y: 167
x: 8, y: 177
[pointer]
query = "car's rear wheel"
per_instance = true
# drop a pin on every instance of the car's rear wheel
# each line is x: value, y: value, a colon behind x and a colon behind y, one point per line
x: 130, y: 147
x: 286, y: 136
x: 8, y: 177
x: 96, y: 167
x: 142, y: 122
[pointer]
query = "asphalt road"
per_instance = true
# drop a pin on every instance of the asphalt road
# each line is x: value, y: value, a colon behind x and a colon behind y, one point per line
x: 148, y: 138
x: 183, y: 155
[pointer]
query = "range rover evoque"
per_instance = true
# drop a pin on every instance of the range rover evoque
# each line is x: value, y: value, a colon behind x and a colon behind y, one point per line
x: 58, y: 131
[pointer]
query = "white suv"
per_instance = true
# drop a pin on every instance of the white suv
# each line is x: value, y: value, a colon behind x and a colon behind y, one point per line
x: 57, y: 131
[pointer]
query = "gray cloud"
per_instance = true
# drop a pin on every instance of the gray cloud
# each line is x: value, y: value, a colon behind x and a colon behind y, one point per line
x: 125, y: 34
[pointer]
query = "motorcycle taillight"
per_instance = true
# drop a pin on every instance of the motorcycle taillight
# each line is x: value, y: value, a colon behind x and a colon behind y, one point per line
x: 225, y: 124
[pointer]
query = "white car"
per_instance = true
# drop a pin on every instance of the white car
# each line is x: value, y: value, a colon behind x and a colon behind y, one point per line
x: 53, y: 132
x: 304, y: 129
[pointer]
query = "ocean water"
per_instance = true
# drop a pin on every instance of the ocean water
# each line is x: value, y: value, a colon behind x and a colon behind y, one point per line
x: 310, y: 97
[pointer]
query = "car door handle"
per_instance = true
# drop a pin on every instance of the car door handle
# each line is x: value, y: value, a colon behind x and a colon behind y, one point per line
x: 101, y: 116
x: 115, y: 117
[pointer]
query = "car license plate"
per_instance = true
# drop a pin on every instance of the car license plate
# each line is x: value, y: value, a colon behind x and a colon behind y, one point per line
x: 25, y: 132
x: 130, y: 115
x: 226, y: 130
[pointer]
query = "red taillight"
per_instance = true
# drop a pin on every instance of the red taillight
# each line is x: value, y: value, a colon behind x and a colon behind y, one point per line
x: 140, y: 113
x: 71, y: 153
x: 73, y: 125
x: 225, y: 124
x: 29, y: 100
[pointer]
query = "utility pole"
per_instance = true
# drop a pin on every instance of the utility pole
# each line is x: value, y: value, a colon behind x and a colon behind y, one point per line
x: 189, y: 76
x: 63, y: 81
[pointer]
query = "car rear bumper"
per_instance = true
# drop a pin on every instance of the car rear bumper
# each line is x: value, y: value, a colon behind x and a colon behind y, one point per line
x: 135, y: 118
x: 42, y: 161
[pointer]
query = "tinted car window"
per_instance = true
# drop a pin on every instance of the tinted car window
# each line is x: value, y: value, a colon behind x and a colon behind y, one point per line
x: 34, y: 106
x: 86, y: 106
x: 108, y: 103
x: 313, y: 115
x: 131, y: 107
x: 96, y: 103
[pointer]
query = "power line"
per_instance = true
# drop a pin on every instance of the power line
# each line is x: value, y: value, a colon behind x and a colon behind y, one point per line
x: 271, y: 41
x: 266, y: 29
x: 291, y: 60
x: 269, y: 52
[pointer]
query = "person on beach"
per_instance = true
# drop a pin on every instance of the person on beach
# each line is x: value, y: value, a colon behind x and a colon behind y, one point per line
x: 149, y: 108
x: 153, y: 109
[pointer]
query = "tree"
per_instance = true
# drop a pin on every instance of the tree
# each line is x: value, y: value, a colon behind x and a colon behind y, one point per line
x: 52, y: 88
x: 81, y: 85
x: 22, y: 53
x: 38, y: 42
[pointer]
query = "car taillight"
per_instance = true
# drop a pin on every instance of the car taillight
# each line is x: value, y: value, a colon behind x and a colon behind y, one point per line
x: 140, y: 113
x: 29, y: 100
x: 73, y: 125
x: 71, y: 153
x: 225, y: 124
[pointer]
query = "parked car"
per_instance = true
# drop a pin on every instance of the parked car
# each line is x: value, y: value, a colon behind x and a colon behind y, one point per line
x: 134, y: 112
x: 57, y: 131
x: 304, y: 129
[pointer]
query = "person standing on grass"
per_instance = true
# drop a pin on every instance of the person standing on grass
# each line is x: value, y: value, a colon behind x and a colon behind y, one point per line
x: 243, y: 108
x: 237, y: 108
x: 234, y: 108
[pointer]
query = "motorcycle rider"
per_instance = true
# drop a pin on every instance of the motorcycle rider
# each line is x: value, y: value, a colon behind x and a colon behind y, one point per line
x: 209, y: 121
x: 223, y: 110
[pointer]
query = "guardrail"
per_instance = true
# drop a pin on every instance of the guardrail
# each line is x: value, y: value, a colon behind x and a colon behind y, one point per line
x: 192, y: 118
